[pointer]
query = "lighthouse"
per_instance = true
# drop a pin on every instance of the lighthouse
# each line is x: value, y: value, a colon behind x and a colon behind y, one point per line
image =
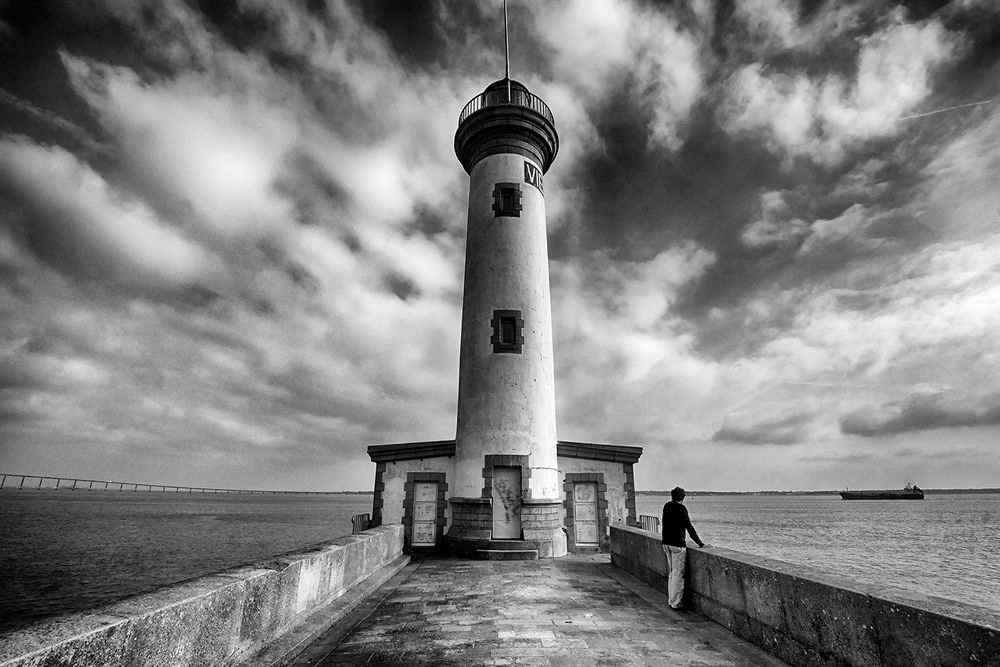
x: 507, y: 482
x: 505, y: 487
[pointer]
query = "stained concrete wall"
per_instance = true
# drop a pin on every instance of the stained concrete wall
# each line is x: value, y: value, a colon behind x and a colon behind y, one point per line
x: 809, y: 617
x: 614, y: 478
x: 394, y: 483
x: 222, y: 619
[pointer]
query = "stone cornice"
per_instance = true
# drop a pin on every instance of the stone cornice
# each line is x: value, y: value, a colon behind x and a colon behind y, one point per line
x: 405, y: 451
x: 598, y: 452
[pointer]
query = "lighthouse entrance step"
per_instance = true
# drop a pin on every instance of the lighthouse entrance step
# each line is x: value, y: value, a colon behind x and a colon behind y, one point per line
x: 507, y: 550
x: 507, y: 554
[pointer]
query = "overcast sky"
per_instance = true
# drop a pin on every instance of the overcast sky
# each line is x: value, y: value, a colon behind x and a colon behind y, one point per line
x: 232, y: 240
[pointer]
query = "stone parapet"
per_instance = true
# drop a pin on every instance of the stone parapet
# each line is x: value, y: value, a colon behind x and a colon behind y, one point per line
x: 223, y: 619
x: 806, y: 616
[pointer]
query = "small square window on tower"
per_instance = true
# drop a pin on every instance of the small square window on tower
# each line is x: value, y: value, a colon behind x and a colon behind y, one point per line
x: 507, y: 328
x: 507, y: 200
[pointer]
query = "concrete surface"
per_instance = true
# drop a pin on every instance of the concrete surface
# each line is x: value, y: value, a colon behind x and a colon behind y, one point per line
x: 575, y: 610
x: 810, y: 617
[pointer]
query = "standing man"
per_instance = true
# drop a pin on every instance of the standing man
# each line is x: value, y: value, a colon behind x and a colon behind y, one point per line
x: 675, y: 522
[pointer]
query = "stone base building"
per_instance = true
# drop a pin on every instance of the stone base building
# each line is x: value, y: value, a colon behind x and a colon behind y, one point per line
x: 413, y: 482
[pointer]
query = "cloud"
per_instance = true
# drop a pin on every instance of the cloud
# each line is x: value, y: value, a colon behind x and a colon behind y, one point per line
x: 45, y: 116
x: 868, y: 318
x: 848, y: 236
x: 824, y: 117
x: 390, y: 128
x: 777, y: 410
x: 619, y: 347
x: 238, y: 147
x: 789, y: 430
x: 17, y: 371
x: 215, y: 154
x: 849, y: 330
x: 74, y: 219
x: 772, y: 27
x: 984, y: 8
x: 918, y: 412
x: 642, y: 292
x: 961, y: 199
x: 598, y: 45
x: 775, y: 227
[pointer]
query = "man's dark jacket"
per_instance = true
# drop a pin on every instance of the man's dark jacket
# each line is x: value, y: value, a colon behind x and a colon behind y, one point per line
x: 674, y: 522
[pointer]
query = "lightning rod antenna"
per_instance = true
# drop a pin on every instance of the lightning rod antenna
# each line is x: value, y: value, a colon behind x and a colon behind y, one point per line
x: 506, y: 48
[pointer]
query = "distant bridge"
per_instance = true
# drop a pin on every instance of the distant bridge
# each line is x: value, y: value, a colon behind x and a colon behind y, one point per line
x: 55, y: 482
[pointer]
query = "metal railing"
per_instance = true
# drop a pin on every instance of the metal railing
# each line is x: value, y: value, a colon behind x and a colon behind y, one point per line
x: 109, y: 485
x: 360, y: 523
x: 650, y: 523
x: 499, y: 97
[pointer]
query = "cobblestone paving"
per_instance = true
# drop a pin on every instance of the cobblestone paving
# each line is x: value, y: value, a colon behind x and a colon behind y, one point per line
x: 568, y: 611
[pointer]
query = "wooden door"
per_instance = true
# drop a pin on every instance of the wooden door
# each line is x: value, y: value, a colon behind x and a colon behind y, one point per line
x: 506, y: 503
x: 424, y: 513
x: 585, y: 514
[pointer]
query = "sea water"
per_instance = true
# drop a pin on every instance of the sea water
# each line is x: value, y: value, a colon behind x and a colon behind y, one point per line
x: 63, y: 551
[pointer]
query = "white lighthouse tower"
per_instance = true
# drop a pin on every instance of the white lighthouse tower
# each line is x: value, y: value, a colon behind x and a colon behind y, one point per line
x: 507, y: 482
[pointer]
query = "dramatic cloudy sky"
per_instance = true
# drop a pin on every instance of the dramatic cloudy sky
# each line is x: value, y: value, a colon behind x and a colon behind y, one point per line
x: 232, y: 238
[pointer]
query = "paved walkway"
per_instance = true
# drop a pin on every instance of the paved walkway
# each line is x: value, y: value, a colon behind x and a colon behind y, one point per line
x: 577, y: 610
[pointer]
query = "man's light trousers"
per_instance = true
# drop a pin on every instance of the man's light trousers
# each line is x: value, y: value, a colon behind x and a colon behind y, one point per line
x: 676, y: 562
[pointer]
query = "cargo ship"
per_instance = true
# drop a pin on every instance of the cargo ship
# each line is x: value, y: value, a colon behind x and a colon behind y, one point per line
x: 909, y: 492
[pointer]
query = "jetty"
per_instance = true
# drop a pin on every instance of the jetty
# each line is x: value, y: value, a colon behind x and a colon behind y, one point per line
x: 360, y: 599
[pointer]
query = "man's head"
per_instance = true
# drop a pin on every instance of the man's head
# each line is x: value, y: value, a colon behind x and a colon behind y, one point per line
x: 677, y: 494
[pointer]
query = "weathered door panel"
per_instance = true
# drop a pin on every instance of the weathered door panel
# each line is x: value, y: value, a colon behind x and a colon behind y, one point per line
x: 424, y: 513
x: 506, y: 503
x: 585, y: 513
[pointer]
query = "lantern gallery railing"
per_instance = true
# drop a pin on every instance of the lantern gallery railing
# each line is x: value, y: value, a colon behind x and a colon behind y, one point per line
x: 17, y: 481
x: 504, y: 96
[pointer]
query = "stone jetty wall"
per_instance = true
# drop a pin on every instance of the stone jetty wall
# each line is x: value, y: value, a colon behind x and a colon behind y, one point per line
x: 257, y: 613
x: 806, y: 616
